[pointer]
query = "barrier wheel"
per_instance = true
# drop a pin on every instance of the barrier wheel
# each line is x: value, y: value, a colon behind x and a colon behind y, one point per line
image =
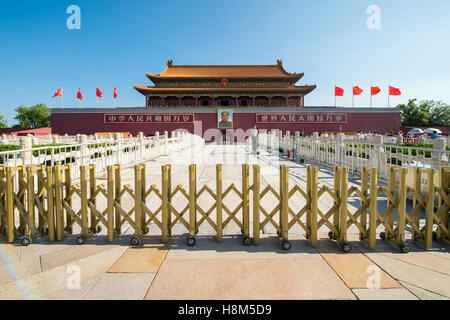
x: 286, y: 245
x: 405, y: 248
x: 346, y: 247
x: 191, y: 242
x: 135, y: 241
x: 247, y: 241
x: 434, y: 235
x: 146, y: 230
x: 97, y: 229
x: 80, y: 240
x: 330, y: 235
x: 383, y: 236
x: 25, y: 241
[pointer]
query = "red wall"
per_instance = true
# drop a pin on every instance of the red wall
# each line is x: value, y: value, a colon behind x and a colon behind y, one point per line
x: 24, y: 132
x: 78, y: 121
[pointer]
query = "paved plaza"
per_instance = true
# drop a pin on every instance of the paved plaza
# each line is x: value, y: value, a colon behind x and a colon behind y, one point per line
x: 226, y: 270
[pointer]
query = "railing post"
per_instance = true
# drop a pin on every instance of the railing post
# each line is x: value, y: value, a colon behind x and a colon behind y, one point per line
x: 343, y: 207
x: 10, y: 204
x: 110, y: 200
x: 138, y: 201
x: 30, y: 201
x: 192, y: 200
x: 92, y: 188
x: 50, y: 205
x: 118, y: 200
x: 429, y: 219
x: 256, y: 203
x: 84, y: 202
x: 68, y: 186
x: 21, y: 196
x: 284, y: 193
x: 58, y: 203
x: 373, y: 207
x: 26, y: 143
x: 391, y: 189
x: 169, y: 199
x: 444, y: 184
x: 246, y: 200
x: 313, y: 180
x: 219, y: 201
x: 364, y: 192
x: 165, y: 203
x: 337, y: 190
x: 401, y: 209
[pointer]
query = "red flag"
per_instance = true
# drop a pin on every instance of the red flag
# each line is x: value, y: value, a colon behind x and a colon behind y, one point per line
x: 357, y: 91
x: 394, y: 91
x: 98, y: 93
x: 339, y: 92
x: 115, y: 93
x: 79, y: 95
x: 58, y: 93
x: 374, y: 90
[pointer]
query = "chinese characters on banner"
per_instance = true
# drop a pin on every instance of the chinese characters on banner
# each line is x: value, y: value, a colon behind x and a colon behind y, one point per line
x: 302, y: 118
x: 149, y: 118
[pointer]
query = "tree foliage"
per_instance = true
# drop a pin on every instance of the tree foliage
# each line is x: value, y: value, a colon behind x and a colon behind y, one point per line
x: 37, y: 116
x: 3, y: 122
x: 425, y: 113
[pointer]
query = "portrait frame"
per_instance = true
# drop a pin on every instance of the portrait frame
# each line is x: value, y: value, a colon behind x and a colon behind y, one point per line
x: 230, y: 118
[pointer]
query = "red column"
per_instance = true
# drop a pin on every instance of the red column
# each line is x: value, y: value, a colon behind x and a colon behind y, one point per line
x: 179, y: 101
x: 163, y: 101
x: 270, y: 101
x: 196, y: 101
x: 286, y: 101
x: 213, y: 102
x: 236, y: 103
x: 253, y: 101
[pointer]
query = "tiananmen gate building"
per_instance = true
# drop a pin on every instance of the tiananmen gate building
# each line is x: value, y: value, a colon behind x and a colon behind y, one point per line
x: 224, y: 97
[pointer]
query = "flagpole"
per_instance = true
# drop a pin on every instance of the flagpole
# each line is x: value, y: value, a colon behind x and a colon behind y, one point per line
x: 389, y: 95
x: 353, y: 96
x: 335, y: 96
x: 62, y: 98
x: 370, y: 96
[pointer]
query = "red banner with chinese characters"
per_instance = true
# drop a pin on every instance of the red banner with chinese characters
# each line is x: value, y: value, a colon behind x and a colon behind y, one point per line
x: 149, y: 118
x: 302, y: 118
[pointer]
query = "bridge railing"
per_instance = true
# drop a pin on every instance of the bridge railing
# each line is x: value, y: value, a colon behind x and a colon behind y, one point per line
x: 101, y: 153
x: 354, y: 154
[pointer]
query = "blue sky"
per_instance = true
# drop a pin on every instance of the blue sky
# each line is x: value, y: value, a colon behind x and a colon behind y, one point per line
x: 120, y: 41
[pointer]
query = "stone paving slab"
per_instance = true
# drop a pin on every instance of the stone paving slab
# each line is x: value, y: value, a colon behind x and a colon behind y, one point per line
x: 143, y: 259
x: 247, y: 279
x: 353, y: 268
x: 415, y: 257
x: 69, y: 254
x: 74, y: 294
x: 232, y: 247
x: 384, y: 294
x: 121, y: 286
x: 422, y: 294
x: 12, y: 269
x: 427, y: 279
x: 45, y: 283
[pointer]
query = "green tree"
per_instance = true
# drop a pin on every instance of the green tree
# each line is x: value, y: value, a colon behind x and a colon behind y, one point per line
x: 3, y: 122
x: 425, y: 113
x: 37, y: 116
x: 413, y: 114
x: 440, y: 115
